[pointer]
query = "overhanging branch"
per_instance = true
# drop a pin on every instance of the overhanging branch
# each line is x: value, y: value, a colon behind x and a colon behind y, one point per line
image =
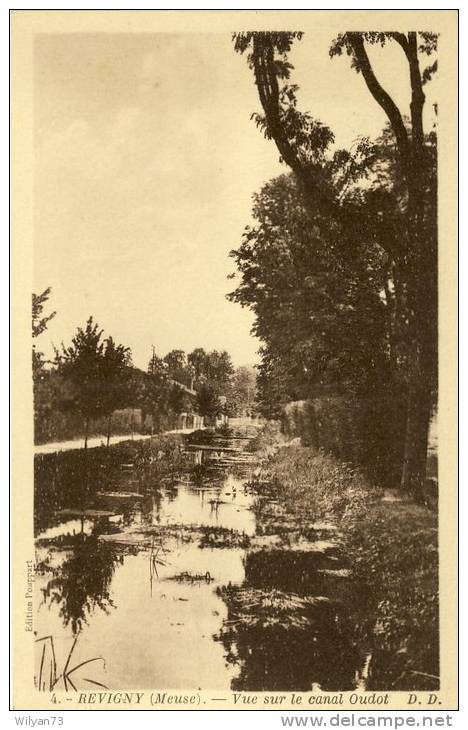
x: 384, y: 99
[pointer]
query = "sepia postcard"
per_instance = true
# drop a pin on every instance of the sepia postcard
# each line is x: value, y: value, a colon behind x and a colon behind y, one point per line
x: 234, y: 307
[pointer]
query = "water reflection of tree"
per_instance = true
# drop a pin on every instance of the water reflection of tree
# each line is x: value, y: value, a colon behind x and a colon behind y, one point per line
x: 82, y: 582
x: 283, y: 642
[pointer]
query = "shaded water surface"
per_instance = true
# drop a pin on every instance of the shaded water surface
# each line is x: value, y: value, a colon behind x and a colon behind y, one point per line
x: 179, y: 584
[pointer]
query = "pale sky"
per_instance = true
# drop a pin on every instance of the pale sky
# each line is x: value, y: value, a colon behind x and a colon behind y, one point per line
x: 146, y: 162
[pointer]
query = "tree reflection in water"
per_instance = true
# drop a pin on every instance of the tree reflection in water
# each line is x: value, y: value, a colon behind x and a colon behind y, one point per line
x: 282, y: 642
x: 285, y: 630
x: 82, y: 582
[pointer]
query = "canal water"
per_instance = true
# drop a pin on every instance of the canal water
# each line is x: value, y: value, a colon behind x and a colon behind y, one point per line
x: 181, y: 583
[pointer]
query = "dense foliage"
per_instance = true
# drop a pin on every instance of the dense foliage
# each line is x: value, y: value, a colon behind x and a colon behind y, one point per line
x: 318, y: 305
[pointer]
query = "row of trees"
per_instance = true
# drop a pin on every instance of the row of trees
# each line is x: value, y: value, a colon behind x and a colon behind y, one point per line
x: 93, y: 377
x: 196, y: 368
x: 211, y: 374
x: 340, y: 267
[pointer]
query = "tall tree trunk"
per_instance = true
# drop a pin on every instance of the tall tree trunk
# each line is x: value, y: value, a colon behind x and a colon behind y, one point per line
x: 391, y: 314
x: 422, y: 290
x: 109, y: 422
x: 418, y: 415
x: 86, y: 432
x: 422, y: 388
x: 422, y: 350
x: 419, y: 261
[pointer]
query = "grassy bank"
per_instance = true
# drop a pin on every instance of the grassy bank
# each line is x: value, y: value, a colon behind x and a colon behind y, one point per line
x: 390, y: 547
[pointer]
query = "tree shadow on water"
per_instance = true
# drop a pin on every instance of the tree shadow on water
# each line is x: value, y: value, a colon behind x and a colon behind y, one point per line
x: 281, y: 641
x: 81, y: 584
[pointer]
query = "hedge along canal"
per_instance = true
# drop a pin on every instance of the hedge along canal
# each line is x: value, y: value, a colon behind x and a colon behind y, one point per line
x: 205, y: 561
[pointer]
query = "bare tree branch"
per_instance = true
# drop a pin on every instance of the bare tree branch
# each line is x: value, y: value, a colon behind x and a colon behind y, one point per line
x: 384, y: 99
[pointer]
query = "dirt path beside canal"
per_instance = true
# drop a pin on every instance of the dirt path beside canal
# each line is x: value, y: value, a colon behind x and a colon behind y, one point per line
x: 96, y: 441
